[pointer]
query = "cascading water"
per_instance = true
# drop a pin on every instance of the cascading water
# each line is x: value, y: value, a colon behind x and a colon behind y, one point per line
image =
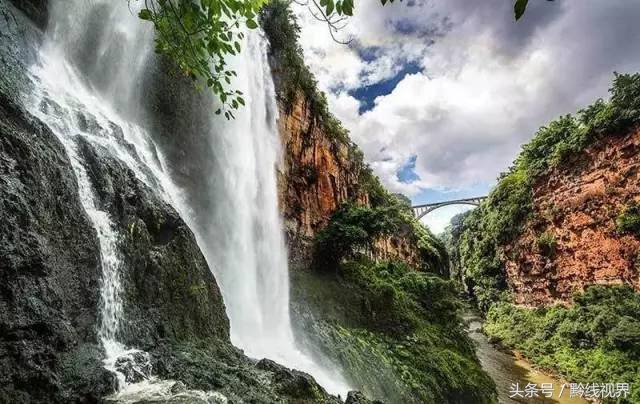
x: 242, y: 236
x: 93, y: 60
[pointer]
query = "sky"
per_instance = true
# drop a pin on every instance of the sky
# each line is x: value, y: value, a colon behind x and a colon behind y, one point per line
x: 441, y: 94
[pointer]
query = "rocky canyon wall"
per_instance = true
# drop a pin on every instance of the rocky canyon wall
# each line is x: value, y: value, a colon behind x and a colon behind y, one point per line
x: 319, y: 173
x: 575, y: 208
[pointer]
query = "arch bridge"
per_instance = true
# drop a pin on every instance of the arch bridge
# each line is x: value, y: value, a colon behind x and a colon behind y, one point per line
x: 421, y: 210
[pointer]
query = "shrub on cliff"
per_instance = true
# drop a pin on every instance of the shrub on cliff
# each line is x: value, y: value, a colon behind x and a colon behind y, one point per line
x: 546, y: 243
x: 353, y: 230
x: 629, y: 220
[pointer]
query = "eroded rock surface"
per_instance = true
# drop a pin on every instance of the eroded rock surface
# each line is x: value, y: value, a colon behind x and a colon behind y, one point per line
x: 578, y: 206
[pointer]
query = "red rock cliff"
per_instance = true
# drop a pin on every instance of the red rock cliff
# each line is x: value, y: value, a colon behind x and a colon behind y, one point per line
x: 577, y: 207
x: 319, y: 173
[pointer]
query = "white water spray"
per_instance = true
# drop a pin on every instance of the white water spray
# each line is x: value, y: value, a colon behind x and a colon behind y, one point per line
x: 92, y: 64
x: 242, y: 237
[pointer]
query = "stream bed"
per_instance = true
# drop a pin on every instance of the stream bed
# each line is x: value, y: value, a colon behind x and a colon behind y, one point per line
x: 505, y: 369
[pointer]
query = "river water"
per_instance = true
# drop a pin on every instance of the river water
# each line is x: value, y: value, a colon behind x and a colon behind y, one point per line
x: 505, y: 369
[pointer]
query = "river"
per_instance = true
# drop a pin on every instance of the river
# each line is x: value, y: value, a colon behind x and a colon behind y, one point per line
x: 505, y: 369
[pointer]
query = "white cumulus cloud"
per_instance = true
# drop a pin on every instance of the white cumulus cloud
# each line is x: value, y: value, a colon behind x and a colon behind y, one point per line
x: 486, y: 82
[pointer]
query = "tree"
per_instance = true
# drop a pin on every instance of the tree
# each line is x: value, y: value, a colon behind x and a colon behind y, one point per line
x: 199, y: 34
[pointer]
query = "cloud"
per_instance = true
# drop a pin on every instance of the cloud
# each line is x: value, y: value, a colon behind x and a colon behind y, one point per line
x: 484, y: 86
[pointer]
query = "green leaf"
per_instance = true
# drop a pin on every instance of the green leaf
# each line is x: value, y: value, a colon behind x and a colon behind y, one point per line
x: 519, y: 8
x: 329, y: 7
x: 347, y: 7
x: 252, y: 24
x: 145, y: 14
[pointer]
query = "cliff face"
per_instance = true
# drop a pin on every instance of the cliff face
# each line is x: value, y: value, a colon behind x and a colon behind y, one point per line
x: 575, y: 208
x: 317, y: 174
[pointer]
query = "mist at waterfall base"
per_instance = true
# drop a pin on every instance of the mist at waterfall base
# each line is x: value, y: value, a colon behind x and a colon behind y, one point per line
x: 94, y: 61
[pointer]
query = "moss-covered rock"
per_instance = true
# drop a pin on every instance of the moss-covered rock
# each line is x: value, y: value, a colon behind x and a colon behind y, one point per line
x: 404, y: 349
x: 214, y: 365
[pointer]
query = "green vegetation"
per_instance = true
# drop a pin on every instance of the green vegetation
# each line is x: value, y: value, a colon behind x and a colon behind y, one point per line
x: 400, y: 299
x: 451, y: 239
x: 547, y: 244
x: 199, y: 35
x: 353, y: 230
x: 629, y: 220
x: 596, y: 340
x: 501, y: 218
x: 396, y: 332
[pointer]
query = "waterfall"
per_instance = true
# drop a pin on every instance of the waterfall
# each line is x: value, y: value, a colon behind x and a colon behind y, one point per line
x: 94, y: 59
x: 242, y: 237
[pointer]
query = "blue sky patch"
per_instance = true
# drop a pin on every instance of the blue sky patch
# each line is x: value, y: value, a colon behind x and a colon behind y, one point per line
x: 407, y: 174
x: 367, y: 94
x: 369, y: 53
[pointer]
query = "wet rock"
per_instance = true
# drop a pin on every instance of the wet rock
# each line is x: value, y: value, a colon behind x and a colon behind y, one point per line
x: 178, y: 387
x: 84, y: 375
x: 217, y: 366
x: 356, y: 397
x: 135, y: 367
x: 49, y: 265
x: 293, y: 383
x: 169, y: 291
x: 19, y: 43
x: 36, y: 10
